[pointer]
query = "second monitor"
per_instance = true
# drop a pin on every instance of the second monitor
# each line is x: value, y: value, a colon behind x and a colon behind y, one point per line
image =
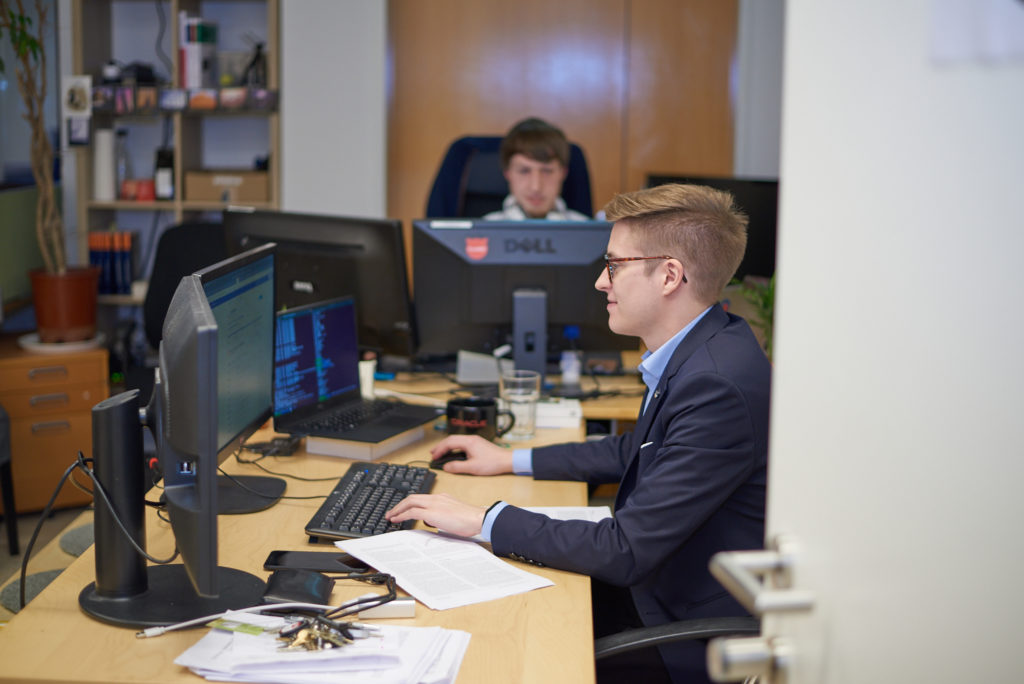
x: 475, y: 281
x: 321, y: 257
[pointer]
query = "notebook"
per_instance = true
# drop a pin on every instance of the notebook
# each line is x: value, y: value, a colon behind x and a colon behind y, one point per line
x: 316, y: 379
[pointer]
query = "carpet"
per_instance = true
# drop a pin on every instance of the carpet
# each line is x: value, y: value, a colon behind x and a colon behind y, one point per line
x: 76, y: 541
x: 10, y: 596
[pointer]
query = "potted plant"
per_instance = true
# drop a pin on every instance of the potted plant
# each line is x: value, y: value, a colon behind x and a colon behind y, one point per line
x: 64, y: 298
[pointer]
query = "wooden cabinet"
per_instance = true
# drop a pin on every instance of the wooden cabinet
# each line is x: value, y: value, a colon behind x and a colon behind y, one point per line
x: 141, y: 32
x: 49, y: 399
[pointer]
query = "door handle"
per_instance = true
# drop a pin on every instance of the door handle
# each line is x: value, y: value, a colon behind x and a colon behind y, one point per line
x: 762, y: 581
x: 742, y: 573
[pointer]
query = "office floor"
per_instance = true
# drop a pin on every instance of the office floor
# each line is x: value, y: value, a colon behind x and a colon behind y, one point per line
x: 52, y: 528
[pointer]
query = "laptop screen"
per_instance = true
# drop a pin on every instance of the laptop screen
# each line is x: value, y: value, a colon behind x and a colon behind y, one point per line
x: 316, y: 355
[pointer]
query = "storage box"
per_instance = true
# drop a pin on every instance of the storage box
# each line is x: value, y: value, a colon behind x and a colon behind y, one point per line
x: 227, y: 186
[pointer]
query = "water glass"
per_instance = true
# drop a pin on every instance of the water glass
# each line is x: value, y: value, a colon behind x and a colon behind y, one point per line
x: 520, y: 389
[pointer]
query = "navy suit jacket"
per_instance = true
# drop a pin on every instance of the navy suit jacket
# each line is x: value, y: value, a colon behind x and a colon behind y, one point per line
x: 691, y: 482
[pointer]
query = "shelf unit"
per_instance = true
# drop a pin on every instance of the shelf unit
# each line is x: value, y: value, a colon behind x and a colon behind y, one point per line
x: 92, y: 46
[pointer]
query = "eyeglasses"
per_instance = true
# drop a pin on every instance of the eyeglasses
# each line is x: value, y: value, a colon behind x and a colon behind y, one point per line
x: 610, y: 263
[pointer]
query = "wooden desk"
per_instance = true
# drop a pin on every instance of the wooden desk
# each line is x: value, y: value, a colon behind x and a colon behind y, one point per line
x: 541, y: 636
x: 624, y: 405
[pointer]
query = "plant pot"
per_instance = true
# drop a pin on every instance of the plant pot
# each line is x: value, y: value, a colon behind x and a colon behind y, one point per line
x: 65, y: 304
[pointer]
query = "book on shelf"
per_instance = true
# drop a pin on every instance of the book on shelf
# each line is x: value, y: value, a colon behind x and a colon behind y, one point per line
x: 197, y: 52
x: 362, y: 451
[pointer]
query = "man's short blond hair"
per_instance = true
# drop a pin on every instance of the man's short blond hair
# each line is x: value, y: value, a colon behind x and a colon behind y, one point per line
x: 700, y: 226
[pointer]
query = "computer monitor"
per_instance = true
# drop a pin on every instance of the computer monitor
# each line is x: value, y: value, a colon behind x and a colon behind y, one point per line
x: 212, y: 389
x: 322, y: 257
x: 480, y: 284
x: 759, y: 200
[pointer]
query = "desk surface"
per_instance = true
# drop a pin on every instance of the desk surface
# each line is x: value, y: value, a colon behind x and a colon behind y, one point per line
x: 541, y: 636
x: 621, y: 403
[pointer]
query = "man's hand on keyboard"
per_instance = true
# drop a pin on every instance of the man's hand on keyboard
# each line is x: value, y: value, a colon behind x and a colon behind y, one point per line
x: 442, y: 511
x: 482, y: 457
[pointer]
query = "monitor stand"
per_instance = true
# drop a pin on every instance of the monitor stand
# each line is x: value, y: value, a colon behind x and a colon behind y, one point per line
x: 240, y: 494
x: 126, y: 592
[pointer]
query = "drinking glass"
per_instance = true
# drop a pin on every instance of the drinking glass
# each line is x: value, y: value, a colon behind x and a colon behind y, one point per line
x: 520, y: 389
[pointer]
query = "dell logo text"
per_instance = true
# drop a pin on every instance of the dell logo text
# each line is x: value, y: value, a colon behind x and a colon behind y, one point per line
x: 536, y: 246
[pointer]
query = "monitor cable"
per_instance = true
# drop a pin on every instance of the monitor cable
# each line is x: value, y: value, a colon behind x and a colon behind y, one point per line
x: 81, y: 464
x: 330, y: 612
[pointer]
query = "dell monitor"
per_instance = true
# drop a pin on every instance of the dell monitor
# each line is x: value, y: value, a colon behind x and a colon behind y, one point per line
x: 479, y: 285
x: 759, y: 200
x: 212, y: 389
x: 322, y: 257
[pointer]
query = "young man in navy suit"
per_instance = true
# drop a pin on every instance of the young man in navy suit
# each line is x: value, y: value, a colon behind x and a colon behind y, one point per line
x: 691, y: 475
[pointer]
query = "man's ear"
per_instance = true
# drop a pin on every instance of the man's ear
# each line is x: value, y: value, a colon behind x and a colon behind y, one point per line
x: 673, y: 275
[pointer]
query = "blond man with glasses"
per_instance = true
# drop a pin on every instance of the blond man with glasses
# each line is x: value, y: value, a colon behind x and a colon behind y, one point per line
x: 691, y: 475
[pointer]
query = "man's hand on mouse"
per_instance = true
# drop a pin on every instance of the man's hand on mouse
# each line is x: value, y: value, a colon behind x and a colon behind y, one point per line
x: 442, y: 511
x: 482, y: 457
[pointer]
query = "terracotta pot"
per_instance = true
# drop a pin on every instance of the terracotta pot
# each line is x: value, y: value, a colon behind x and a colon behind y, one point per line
x: 65, y: 304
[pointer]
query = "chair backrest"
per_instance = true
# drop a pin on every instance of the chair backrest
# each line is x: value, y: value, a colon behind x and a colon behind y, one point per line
x: 182, y: 250
x: 470, y: 182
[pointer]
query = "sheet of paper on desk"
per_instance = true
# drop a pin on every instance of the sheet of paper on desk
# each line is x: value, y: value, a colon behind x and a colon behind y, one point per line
x: 442, y: 572
x: 399, y: 655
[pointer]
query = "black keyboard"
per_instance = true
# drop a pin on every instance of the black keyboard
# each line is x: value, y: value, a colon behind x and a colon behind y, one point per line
x: 356, y: 506
x: 349, y: 418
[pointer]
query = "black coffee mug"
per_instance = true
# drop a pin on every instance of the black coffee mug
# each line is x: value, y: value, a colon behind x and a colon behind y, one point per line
x: 477, y: 416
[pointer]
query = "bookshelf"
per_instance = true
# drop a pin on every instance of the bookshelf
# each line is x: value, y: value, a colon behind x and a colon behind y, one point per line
x: 201, y: 140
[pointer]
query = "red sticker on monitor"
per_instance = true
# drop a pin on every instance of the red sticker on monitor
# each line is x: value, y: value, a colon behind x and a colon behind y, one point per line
x: 476, y: 248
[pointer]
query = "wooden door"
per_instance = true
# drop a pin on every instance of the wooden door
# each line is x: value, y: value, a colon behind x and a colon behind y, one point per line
x: 641, y: 85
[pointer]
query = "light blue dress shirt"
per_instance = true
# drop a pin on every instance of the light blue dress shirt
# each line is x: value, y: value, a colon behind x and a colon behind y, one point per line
x: 651, y: 369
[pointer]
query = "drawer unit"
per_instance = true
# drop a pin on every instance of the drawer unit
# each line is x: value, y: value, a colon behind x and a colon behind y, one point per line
x: 49, y: 399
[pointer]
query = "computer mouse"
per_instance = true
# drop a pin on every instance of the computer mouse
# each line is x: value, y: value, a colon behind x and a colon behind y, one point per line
x: 453, y: 455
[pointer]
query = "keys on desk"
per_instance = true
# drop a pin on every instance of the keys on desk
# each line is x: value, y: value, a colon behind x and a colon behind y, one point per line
x: 356, y: 505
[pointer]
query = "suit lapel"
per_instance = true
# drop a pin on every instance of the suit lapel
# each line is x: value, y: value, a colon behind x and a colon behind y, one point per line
x: 713, y: 321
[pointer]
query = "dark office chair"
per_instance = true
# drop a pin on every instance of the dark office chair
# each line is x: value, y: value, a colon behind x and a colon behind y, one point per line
x: 470, y: 182
x: 703, y: 629
x: 7, y: 483
x: 182, y: 249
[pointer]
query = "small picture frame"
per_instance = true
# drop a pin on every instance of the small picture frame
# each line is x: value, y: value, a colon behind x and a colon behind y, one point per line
x: 79, y: 130
x: 124, y: 102
x: 233, y: 98
x: 202, y: 98
x: 77, y: 96
x: 173, y: 99
x: 103, y: 98
x: 145, y: 98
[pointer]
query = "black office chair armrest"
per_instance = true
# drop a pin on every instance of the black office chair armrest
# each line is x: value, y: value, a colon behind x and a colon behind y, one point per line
x: 701, y: 628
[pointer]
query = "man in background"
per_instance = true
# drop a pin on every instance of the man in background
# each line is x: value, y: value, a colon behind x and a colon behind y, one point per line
x: 535, y: 162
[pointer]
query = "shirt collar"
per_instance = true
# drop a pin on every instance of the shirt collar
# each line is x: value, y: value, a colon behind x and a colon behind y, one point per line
x: 654, y: 363
x: 514, y: 211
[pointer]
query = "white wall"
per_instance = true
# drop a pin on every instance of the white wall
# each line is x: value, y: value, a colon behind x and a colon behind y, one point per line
x: 333, y: 108
x: 758, y: 89
x: 899, y: 344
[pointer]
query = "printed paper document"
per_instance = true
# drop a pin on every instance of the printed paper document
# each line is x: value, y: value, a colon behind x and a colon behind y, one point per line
x: 442, y: 572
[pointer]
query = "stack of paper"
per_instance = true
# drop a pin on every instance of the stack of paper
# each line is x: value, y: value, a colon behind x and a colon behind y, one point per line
x: 559, y: 413
x: 392, y: 655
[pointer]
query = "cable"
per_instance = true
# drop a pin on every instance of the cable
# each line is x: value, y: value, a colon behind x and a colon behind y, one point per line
x: 117, y: 519
x: 39, y: 525
x: 328, y: 611
x: 261, y: 494
x: 80, y: 463
x: 159, y: 39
